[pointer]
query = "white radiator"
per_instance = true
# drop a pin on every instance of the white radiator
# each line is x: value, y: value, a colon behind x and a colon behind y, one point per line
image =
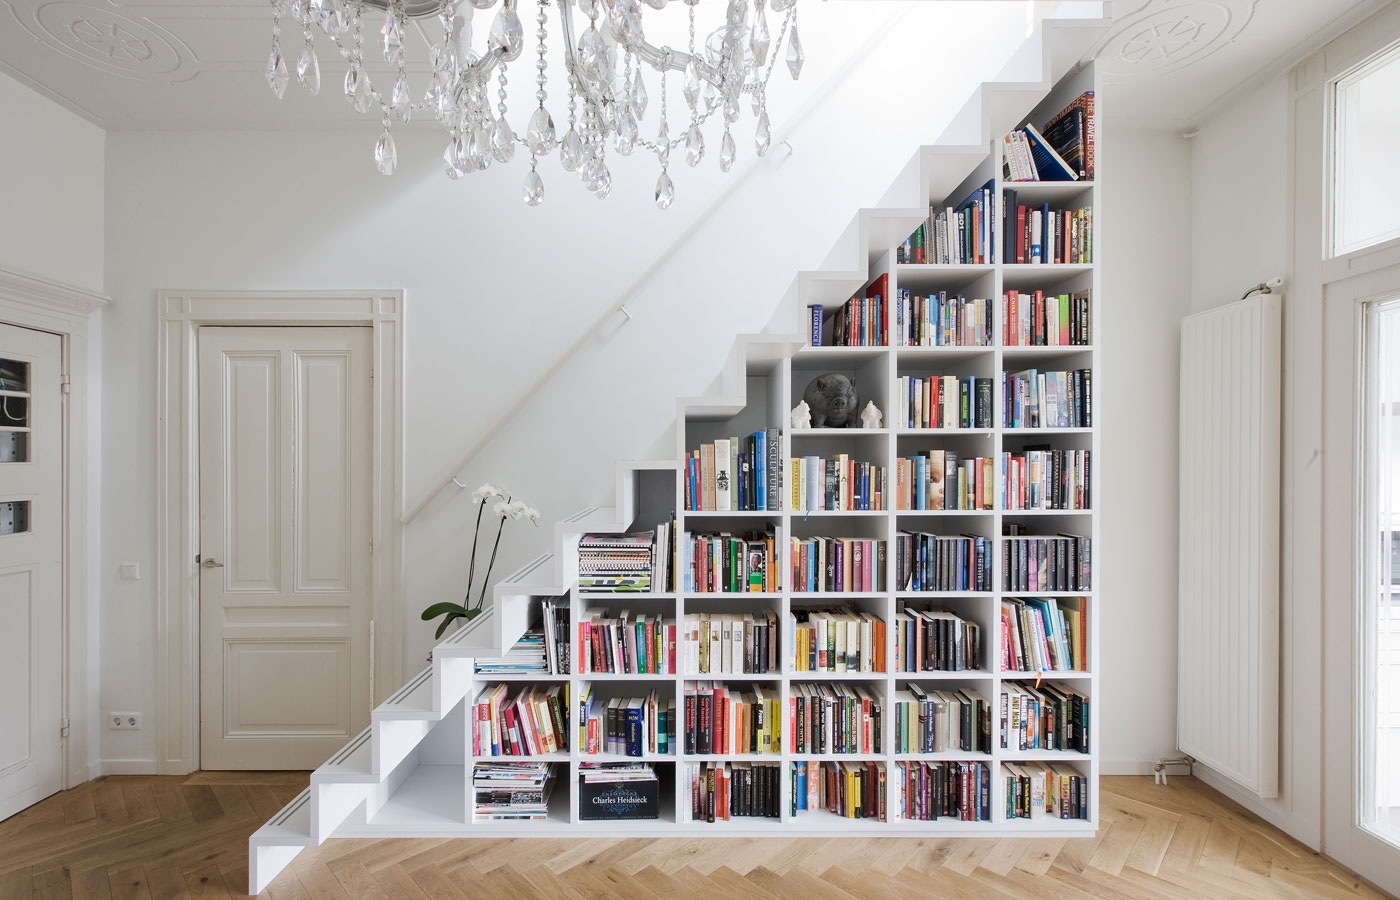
x: 1228, y: 609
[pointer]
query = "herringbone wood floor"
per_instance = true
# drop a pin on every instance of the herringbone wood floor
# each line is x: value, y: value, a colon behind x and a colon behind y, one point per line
x: 167, y: 837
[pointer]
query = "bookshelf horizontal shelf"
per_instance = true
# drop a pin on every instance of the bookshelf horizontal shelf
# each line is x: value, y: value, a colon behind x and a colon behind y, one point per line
x: 1006, y: 755
x: 945, y: 756
x: 608, y: 596
x: 939, y: 675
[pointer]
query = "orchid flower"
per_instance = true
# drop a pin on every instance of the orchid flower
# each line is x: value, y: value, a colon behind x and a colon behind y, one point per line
x: 486, y: 492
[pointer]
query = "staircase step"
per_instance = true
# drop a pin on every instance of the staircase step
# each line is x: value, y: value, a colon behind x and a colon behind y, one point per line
x: 353, y: 764
x: 413, y: 701
x: 291, y: 827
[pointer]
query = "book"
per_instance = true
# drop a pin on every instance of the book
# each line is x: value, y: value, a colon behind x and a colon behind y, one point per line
x: 1081, y: 109
x: 814, y: 317
x: 512, y: 791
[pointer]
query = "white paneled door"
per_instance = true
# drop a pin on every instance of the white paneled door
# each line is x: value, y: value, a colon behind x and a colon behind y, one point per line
x: 31, y: 559
x: 284, y: 535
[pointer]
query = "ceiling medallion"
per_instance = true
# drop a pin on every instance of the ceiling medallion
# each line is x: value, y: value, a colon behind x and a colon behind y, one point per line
x: 611, y: 75
x: 1167, y: 35
x: 111, y: 42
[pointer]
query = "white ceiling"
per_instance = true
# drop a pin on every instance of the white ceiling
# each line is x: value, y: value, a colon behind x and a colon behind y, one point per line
x: 197, y: 64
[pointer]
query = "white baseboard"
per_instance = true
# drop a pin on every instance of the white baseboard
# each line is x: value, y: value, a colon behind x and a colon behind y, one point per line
x: 127, y: 767
x: 1125, y: 767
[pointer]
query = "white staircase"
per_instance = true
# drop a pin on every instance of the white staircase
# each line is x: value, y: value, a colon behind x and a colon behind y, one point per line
x: 403, y: 776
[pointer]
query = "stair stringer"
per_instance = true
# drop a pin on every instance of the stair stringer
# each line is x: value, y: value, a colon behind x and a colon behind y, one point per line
x: 359, y: 777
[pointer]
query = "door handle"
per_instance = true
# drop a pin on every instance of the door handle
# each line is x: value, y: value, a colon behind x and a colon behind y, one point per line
x: 211, y: 563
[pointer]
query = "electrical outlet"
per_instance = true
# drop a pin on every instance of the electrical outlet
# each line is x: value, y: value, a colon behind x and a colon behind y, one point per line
x: 121, y: 721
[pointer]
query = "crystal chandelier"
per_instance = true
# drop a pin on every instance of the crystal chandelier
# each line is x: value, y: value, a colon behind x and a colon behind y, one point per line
x: 607, y: 102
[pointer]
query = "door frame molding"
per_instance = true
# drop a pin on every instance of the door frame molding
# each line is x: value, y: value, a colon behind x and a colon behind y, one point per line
x: 182, y: 314
x: 64, y: 310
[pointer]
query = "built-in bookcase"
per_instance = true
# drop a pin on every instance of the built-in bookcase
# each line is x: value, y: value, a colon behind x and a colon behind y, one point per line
x: 434, y: 777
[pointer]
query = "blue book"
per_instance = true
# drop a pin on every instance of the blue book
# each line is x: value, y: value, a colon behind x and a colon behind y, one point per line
x: 814, y: 313
x: 634, y: 728
x: 760, y: 439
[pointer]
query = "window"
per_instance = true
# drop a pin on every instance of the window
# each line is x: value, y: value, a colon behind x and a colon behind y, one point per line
x: 1366, y: 189
x: 1380, y: 601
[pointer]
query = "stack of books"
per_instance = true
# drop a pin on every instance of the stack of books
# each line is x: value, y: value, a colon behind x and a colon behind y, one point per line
x: 942, y: 321
x: 1051, y: 716
x: 1045, y: 791
x: 837, y: 565
x: 627, y: 726
x: 623, y: 644
x: 852, y: 790
x: 725, y: 720
x: 958, y: 790
x: 615, y: 563
x: 838, y: 639
x: 720, y: 791
x: 944, y: 401
x: 731, y: 643
x: 839, y: 483
x: 834, y: 718
x: 736, y: 474
x: 1044, y: 634
x: 731, y: 564
x: 519, y: 720
x: 931, y: 562
x: 935, y: 641
x: 543, y: 648
x: 941, y: 721
x: 1035, y: 320
x: 512, y: 791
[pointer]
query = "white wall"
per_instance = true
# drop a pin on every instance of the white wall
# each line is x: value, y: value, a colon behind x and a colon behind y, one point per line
x: 1242, y: 231
x: 53, y: 227
x: 495, y: 290
x: 1145, y: 228
x: 52, y: 162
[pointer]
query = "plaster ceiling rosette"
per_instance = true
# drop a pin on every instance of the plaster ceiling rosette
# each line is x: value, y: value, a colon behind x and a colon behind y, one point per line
x: 1168, y: 35
x: 108, y: 40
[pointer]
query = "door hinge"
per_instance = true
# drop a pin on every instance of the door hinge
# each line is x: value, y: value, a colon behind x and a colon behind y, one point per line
x: 65, y: 384
x: 63, y: 727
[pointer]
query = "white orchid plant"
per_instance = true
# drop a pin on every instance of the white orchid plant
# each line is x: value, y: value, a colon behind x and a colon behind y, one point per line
x: 503, y: 507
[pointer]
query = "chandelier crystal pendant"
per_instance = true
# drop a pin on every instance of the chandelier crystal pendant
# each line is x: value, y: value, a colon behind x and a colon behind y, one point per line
x: 604, y: 66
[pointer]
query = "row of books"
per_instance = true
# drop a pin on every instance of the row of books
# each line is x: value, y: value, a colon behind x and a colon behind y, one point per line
x: 721, y: 791
x: 1037, y: 399
x: 1047, y: 479
x: 627, y: 726
x: 852, y: 790
x: 928, y: 791
x: 724, y: 719
x: 862, y: 321
x: 940, y: 721
x: 940, y: 480
x: 834, y: 718
x: 527, y: 656
x: 944, y: 401
x: 942, y: 321
x: 931, y: 562
x: 516, y: 791
x: 735, y: 473
x: 838, y: 639
x: 1041, y: 235
x: 956, y: 235
x: 935, y: 641
x: 1048, y: 716
x: 1033, y: 319
x: 1071, y: 133
x: 1044, y: 634
x: 729, y: 563
x: 731, y: 643
x: 837, y: 565
x: 839, y: 483
x: 1027, y: 156
x: 1046, y: 563
x: 622, y: 644
x: 519, y: 720
x: 1028, y: 319
x: 1045, y: 790
x: 610, y: 563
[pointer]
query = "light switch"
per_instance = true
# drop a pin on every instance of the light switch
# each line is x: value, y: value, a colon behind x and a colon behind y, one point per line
x: 129, y: 571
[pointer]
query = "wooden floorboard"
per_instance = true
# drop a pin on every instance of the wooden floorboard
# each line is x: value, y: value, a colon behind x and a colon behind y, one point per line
x: 172, y: 838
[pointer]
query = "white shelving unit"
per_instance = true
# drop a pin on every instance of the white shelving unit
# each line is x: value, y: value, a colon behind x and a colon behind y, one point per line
x: 409, y: 773
x: 774, y: 384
